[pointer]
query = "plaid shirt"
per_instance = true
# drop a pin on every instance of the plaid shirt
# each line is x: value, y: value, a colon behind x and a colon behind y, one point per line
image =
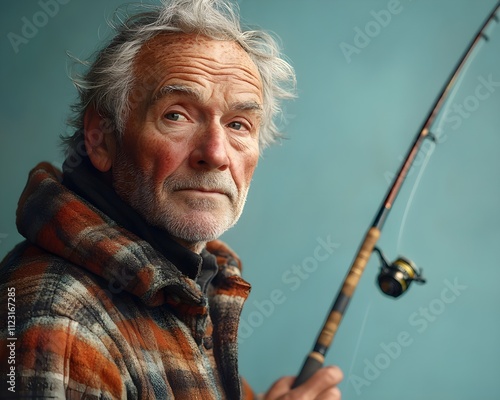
x: 100, y: 314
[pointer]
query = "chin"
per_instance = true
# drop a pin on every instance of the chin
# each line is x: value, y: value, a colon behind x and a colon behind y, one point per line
x: 198, y: 226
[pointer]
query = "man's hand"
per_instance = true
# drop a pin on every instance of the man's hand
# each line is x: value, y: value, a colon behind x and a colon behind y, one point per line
x: 321, y: 386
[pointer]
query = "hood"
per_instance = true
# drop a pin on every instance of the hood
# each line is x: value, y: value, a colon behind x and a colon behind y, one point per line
x: 57, y: 220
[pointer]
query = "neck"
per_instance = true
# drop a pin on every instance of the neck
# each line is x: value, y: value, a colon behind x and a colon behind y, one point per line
x: 195, y: 247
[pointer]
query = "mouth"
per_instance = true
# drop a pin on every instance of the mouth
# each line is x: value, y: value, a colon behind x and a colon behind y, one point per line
x: 205, y: 191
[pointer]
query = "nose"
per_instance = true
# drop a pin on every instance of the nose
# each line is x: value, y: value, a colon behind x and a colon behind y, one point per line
x: 210, y: 150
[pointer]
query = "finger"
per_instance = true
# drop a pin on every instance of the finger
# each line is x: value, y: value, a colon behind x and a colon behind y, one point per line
x: 330, y: 394
x: 280, y: 388
x: 322, y: 381
x: 338, y: 374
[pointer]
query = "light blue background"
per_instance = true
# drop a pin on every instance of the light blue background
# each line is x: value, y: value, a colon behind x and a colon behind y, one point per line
x: 346, y: 133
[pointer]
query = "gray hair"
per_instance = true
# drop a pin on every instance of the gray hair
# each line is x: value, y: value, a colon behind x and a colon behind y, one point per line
x: 107, y: 85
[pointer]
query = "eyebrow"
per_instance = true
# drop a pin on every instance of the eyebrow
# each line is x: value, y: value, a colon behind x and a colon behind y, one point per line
x: 177, y: 89
x: 195, y: 94
x: 247, y: 106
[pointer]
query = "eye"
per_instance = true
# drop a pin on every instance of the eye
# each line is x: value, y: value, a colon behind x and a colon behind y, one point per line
x: 235, y: 125
x: 173, y: 116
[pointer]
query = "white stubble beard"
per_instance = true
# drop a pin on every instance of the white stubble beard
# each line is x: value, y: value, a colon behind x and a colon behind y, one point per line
x: 203, y: 221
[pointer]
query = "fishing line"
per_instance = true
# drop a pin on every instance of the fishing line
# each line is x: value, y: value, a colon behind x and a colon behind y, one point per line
x: 456, y: 88
x: 437, y: 133
x: 358, y: 342
x: 413, y: 193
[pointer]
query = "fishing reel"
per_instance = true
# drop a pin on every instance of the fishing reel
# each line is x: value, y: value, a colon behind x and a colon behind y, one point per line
x: 395, y: 279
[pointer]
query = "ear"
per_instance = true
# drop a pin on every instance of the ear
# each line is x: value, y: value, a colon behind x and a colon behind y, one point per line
x: 99, y: 139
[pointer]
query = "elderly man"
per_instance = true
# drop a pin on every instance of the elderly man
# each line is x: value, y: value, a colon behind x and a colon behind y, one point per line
x: 121, y: 288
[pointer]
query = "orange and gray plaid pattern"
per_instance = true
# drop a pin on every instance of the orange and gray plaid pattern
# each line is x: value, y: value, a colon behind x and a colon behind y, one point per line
x: 99, y: 314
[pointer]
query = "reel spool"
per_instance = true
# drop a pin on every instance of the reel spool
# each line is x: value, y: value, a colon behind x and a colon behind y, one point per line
x: 394, y: 279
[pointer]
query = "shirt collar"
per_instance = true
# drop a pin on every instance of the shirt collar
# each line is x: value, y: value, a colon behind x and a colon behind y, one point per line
x: 88, y: 183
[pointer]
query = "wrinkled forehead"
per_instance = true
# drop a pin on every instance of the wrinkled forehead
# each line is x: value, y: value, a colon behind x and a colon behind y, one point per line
x: 168, y: 52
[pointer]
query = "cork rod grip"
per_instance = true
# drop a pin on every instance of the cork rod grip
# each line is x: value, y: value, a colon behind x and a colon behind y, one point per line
x: 349, y: 286
x: 316, y: 358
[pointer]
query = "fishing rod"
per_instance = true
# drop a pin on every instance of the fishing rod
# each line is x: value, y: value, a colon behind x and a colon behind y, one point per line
x: 394, y: 279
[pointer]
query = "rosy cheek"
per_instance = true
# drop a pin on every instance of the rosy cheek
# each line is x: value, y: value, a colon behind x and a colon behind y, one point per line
x: 144, y: 152
x: 164, y: 158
